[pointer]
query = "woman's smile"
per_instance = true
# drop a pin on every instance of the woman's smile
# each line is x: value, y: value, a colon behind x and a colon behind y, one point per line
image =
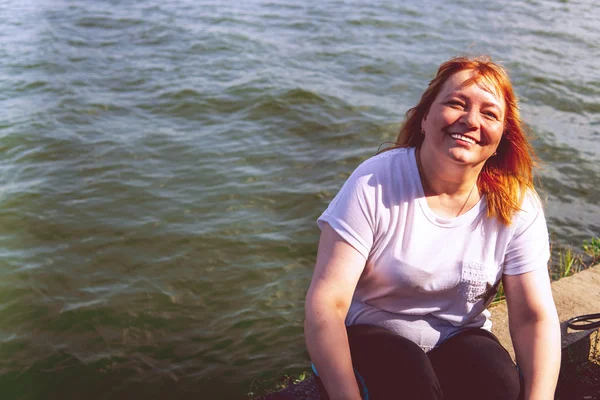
x: 463, y: 138
x: 465, y: 121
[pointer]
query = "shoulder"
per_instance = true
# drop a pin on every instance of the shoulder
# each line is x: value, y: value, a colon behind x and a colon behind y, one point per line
x: 532, y: 204
x: 531, y: 210
x: 383, y: 164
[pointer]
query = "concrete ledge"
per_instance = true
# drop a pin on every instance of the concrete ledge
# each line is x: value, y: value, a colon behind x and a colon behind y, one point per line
x: 577, y: 346
x: 575, y: 295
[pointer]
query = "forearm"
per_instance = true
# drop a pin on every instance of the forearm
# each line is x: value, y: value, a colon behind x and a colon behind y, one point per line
x: 538, y: 351
x: 327, y: 344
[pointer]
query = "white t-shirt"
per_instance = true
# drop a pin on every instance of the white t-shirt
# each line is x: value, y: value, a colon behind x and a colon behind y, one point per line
x: 427, y: 277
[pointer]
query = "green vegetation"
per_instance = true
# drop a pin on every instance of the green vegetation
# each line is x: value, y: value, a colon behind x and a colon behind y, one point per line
x: 262, y: 387
x: 592, y: 249
x: 568, y: 263
x: 500, y: 296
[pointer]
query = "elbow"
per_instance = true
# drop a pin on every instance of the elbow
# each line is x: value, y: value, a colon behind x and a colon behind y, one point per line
x: 321, y: 310
x: 546, y: 320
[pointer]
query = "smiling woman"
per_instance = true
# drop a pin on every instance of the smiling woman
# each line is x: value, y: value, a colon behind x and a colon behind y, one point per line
x: 505, y: 174
x: 466, y: 121
x: 415, y: 245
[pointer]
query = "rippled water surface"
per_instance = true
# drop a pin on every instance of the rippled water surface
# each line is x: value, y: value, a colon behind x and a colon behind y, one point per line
x: 163, y: 163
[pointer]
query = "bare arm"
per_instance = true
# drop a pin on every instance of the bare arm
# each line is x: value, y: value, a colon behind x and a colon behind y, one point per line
x: 535, y: 331
x: 336, y: 274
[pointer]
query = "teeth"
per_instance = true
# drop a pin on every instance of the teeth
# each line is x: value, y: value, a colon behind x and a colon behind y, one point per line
x: 463, y: 138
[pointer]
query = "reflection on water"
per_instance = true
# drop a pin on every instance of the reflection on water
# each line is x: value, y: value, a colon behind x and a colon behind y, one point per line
x: 164, y: 164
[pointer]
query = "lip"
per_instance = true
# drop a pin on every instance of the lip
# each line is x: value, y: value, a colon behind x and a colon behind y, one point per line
x: 465, y: 135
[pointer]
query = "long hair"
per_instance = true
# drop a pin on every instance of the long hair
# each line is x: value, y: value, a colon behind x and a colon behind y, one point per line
x: 505, y: 177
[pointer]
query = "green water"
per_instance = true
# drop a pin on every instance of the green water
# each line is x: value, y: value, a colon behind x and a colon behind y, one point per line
x: 163, y: 164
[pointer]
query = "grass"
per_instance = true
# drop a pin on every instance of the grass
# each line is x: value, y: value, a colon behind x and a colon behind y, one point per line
x: 500, y: 296
x: 262, y: 387
x: 568, y: 263
x: 592, y: 249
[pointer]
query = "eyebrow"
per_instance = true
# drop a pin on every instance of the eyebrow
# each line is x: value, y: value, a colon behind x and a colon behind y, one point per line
x: 462, y: 96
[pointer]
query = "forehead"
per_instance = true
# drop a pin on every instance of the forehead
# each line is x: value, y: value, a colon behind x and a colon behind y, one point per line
x: 464, y: 80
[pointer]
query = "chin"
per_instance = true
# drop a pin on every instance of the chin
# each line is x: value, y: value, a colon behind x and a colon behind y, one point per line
x: 463, y: 157
x: 460, y: 154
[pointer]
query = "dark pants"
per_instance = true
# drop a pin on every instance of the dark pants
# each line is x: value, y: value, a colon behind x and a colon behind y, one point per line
x: 470, y: 365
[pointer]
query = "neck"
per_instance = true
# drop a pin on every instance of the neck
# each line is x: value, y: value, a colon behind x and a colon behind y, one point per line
x: 442, y: 179
x: 449, y: 192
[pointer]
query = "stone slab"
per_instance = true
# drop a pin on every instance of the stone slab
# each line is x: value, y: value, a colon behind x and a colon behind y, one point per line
x: 574, y: 295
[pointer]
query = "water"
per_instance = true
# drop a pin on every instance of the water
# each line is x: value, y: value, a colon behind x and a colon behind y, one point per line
x: 163, y: 163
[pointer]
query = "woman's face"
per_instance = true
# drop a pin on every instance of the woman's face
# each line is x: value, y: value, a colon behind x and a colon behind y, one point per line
x: 464, y: 123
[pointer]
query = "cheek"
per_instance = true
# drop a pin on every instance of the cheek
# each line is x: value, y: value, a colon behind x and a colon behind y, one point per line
x: 494, y: 132
x: 448, y: 117
x: 440, y: 120
x: 499, y: 132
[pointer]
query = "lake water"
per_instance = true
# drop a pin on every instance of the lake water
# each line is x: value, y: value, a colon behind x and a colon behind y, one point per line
x: 163, y: 163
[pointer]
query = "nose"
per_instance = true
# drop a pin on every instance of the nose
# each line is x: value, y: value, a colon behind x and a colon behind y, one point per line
x: 471, y: 118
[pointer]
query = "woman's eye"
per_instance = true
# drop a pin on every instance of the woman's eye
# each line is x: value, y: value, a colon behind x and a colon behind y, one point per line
x: 455, y: 104
x: 491, y: 114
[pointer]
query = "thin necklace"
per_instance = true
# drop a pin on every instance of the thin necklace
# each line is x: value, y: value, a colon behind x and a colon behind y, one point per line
x: 425, y: 184
x: 467, y: 200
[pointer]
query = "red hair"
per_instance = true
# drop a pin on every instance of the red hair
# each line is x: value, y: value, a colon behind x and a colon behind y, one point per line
x: 505, y: 177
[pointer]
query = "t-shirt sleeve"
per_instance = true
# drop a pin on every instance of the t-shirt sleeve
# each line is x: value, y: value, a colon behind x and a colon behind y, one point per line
x: 529, y: 247
x: 351, y: 212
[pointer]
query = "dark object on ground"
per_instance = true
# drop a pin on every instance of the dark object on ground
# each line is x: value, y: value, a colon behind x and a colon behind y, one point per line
x: 580, y: 368
x: 579, y: 382
x: 584, y: 322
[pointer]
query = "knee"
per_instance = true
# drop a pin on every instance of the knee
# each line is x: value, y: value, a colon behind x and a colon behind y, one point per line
x: 375, y: 345
x: 475, y: 366
x: 391, y: 365
x: 503, y: 384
